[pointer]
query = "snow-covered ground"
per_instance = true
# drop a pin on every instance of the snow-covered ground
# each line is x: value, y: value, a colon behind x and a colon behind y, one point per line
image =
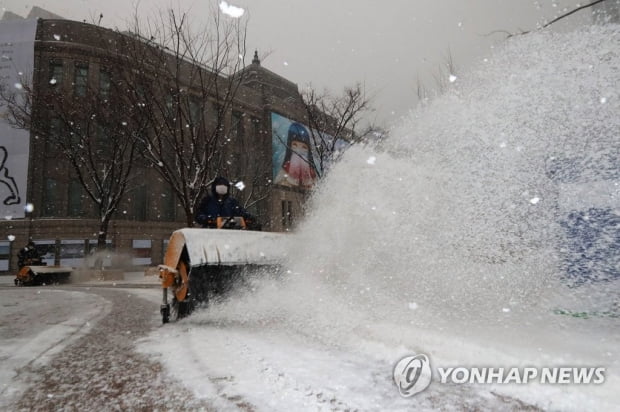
x: 35, y: 325
x: 235, y: 363
x: 281, y: 368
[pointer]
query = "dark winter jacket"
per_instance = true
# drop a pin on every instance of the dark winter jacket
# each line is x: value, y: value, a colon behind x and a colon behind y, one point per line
x: 213, y: 206
x: 28, y: 256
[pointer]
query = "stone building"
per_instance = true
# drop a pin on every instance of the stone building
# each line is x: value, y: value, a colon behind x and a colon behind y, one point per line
x: 68, y: 60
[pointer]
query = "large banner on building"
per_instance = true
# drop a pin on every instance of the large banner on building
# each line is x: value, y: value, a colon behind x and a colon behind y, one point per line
x: 295, y: 160
x: 16, y: 68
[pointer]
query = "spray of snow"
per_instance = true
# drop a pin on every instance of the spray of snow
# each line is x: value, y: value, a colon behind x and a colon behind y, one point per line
x: 447, y: 238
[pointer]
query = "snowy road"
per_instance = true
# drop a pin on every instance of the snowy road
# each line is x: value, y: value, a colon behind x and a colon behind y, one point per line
x: 104, y: 348
x: 72, y: 348
x: 273, y: 371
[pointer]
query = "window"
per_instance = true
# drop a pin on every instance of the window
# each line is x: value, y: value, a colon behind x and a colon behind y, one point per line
x: 139, y: 203
x: 167, y: 205
x: 56, y: 130
x: 55, y: 72
x: 5, y: 255
x: 78, y: 132
x: 103, y: 145
x: 287, y: 214
x: 103, y: 253
x: 141, y: 252
x: 72, y: 252
x: 75, y: 206
x: 237, y: 124
x: 80, y: 81
x: 105, y: 83
x: 50, y: 197
x: 165, y: 244
x: 194, y: 111
x: 170, y: 106
x: 48, y: 251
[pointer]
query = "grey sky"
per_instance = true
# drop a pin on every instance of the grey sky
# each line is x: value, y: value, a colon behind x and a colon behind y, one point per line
x: 387, y: 45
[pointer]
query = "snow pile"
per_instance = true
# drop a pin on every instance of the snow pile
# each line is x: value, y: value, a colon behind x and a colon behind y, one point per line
x: 451, y: 239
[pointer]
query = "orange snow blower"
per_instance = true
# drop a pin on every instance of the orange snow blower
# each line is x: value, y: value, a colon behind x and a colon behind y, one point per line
x: 36, y: 272
x: 203, y: 263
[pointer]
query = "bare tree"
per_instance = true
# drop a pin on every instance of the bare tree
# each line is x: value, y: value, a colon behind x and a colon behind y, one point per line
x: 182, y: 82
x: 335, y: 121
x: 446, y: 73
x: 578, y: 7
x: 250, y: 170
x: 92, y: 129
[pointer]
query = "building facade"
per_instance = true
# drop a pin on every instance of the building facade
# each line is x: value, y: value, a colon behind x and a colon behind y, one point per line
x: 70, y: 61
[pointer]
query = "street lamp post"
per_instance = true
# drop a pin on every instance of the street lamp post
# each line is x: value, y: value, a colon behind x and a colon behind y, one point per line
x: 28, y: 209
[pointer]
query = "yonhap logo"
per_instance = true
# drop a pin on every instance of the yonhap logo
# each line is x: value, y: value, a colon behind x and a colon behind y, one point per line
x: 412, y: 374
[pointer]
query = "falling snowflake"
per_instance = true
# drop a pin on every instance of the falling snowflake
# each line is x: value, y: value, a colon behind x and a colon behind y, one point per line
x: 452, y: 78
x: 57, y: 36
x: 371, y: 160
x: 11, y: 238
x: 53, y: 81
x: 240, y: 185
x: 534, y: 200
x: 230, y: 10
x: 603, y: 100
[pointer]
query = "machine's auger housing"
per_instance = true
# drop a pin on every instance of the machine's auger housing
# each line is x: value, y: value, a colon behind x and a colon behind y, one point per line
x: 203, y: 262
x: 42, y: 275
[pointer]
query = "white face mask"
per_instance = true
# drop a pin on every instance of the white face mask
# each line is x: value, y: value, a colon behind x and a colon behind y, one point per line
x: 221, y: 189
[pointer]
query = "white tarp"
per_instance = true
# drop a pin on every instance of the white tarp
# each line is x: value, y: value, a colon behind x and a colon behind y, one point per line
x: 16, y: 68
x: 234, y: 247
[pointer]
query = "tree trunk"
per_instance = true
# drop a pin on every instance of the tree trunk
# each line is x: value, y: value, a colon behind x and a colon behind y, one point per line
x: 101, y: 243
x: 189, y: 217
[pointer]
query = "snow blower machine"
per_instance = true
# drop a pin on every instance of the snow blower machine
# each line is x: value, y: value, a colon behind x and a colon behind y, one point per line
x: 202, y: 264
x: 36, y: 272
